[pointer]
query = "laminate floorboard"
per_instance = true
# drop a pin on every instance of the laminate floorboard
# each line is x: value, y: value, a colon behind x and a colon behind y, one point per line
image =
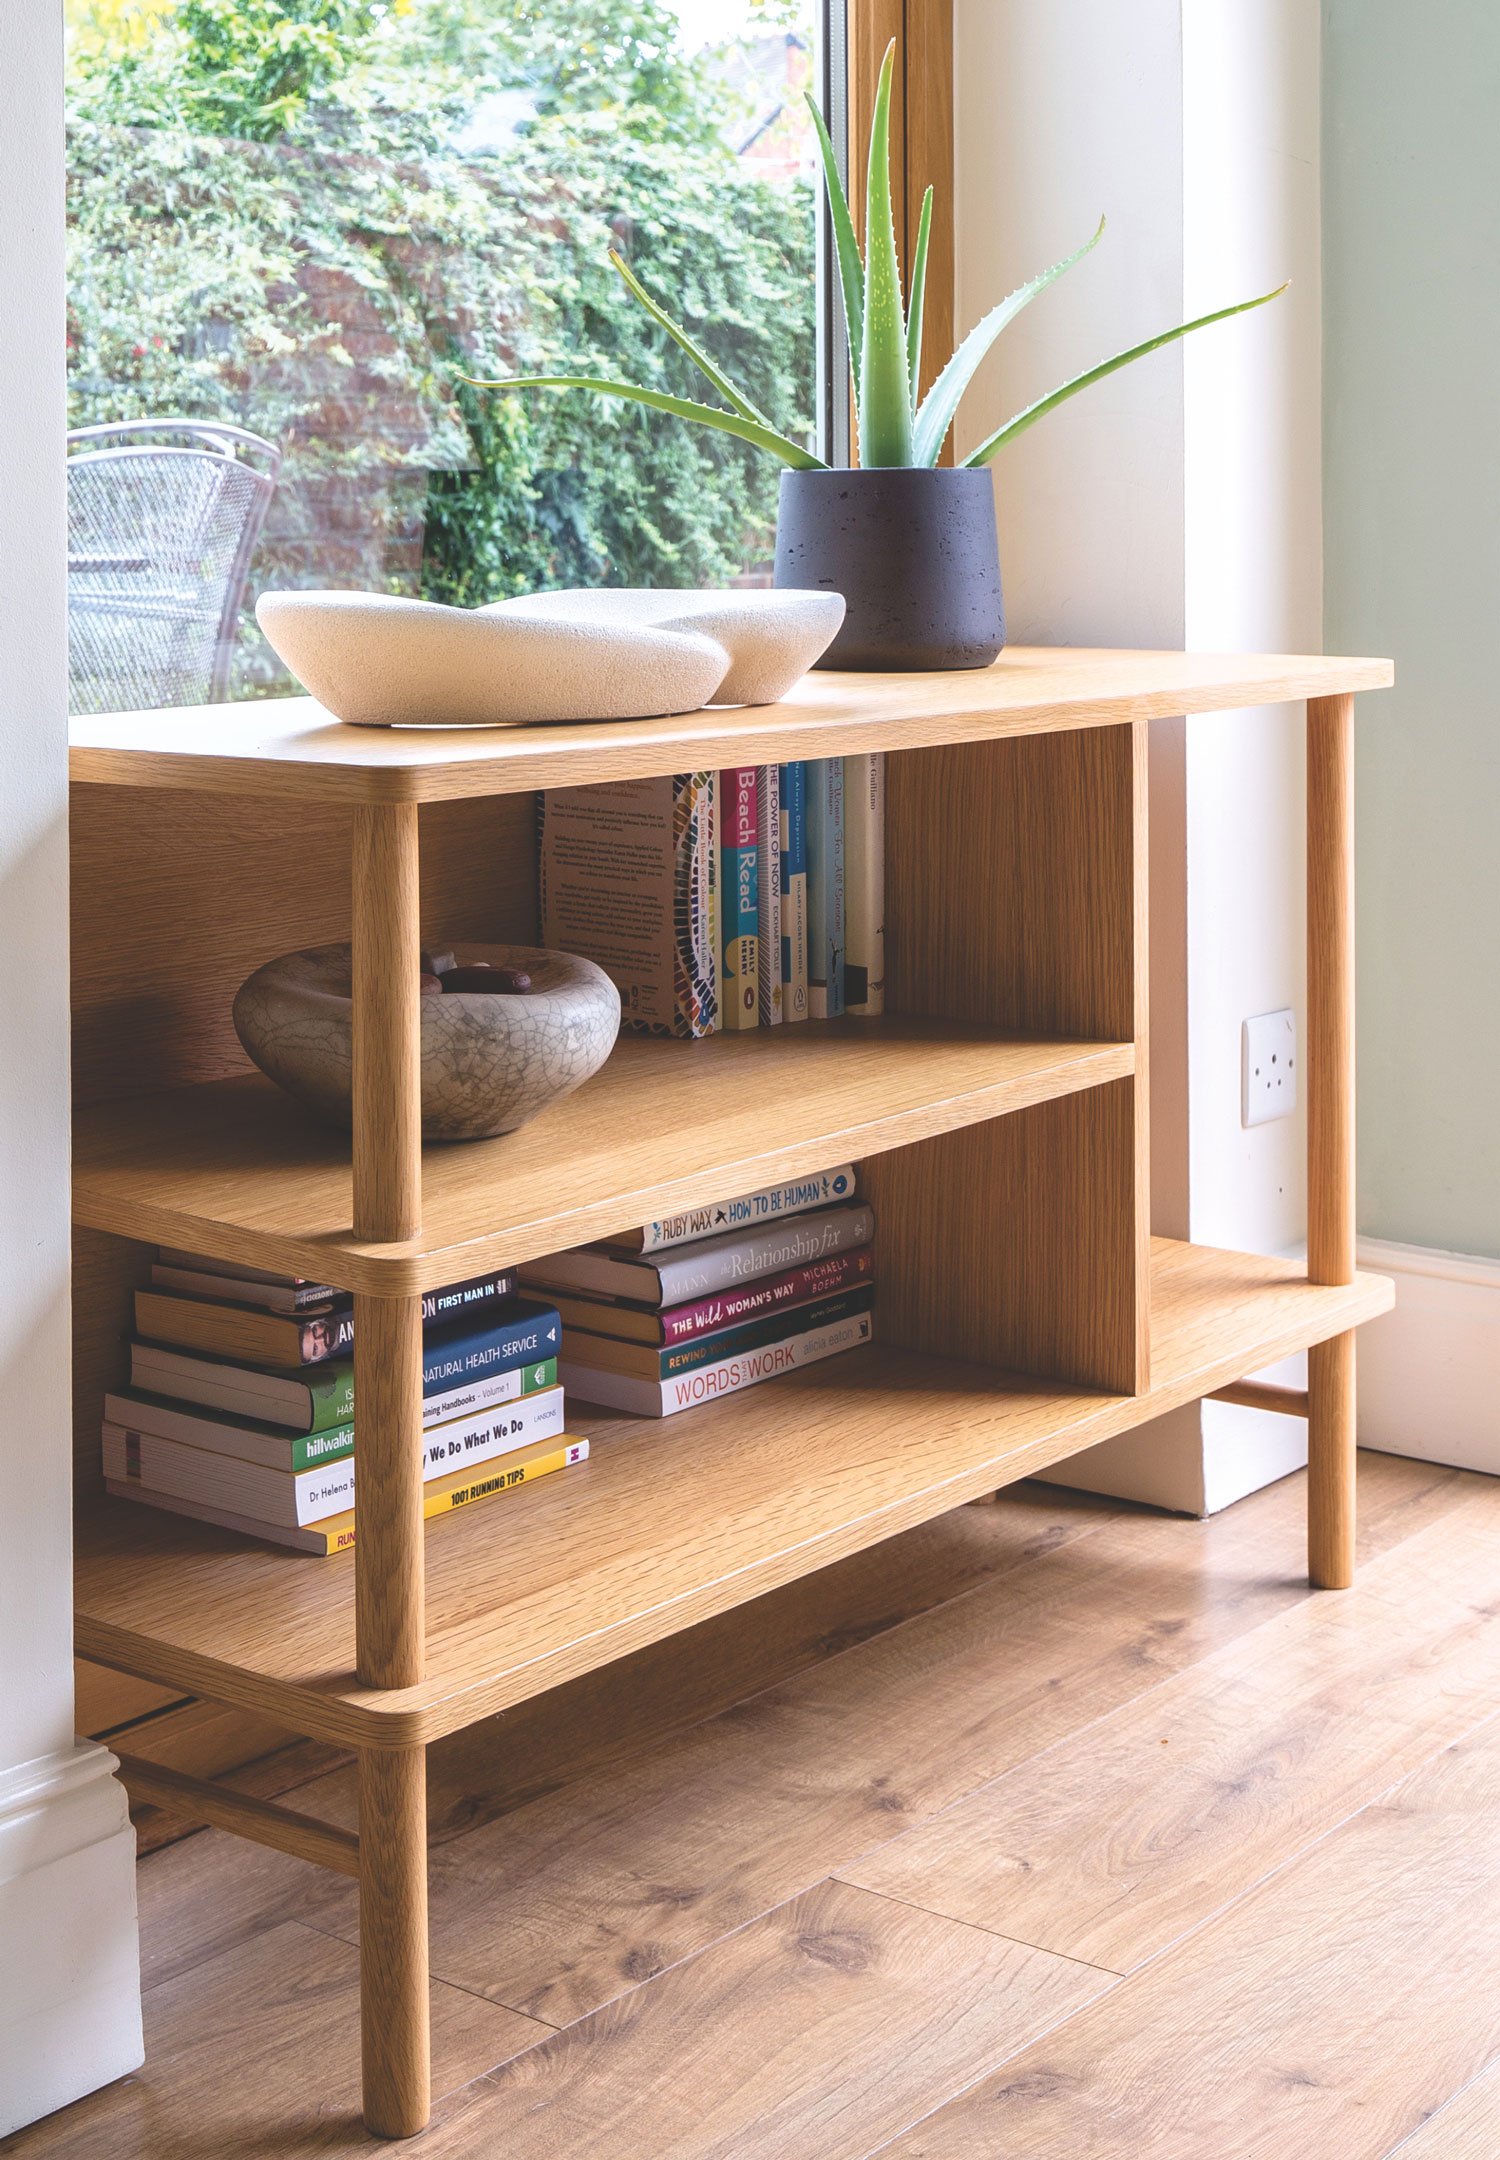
x: 812, y: 2034
x: 257, y: 2054
x: 1327, y: 2012
x: 1119, y: 1839
x: 1466, y: 2128
x: 636, y: 1862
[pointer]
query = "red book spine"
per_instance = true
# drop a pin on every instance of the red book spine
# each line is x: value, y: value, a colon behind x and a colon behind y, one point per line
x: 799, y: 1286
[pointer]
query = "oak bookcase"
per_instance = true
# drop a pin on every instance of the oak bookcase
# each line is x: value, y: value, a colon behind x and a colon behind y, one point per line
x: 998, y: 1114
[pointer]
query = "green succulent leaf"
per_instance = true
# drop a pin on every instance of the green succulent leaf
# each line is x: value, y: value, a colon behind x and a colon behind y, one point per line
x: 1032, y: 413
x: 851, y: 269
x: 885, y: 395
x: 935, y: 416
x: 690, y: 346
x: 918, y: 295
x: 751, y: 431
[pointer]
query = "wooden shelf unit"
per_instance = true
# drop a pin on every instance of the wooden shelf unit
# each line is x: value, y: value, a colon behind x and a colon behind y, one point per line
x: 998, y: 1115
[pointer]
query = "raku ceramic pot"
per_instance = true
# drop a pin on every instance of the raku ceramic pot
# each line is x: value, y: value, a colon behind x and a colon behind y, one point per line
x: 915, y: 554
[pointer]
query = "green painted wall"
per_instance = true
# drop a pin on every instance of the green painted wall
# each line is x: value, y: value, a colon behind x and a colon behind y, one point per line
x: 1411, y: 255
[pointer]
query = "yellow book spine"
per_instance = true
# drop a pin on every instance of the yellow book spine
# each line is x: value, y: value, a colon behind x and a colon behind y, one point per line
x: 461, y: 1488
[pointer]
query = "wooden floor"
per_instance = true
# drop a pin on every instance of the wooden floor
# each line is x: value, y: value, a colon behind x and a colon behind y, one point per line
x: 1052, y: 1828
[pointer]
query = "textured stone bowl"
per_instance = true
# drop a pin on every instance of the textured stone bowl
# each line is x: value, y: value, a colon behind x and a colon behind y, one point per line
x: 489, y: 1061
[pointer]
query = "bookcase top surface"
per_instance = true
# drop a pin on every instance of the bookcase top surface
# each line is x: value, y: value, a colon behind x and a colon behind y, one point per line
x: 668, y: 1523
x: 236, y: 1169
x: 292, y: 747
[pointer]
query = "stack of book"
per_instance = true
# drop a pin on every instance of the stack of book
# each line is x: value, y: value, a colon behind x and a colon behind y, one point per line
x: 716, y: 1299
x: 240, y: 1408
x: 733, y: 899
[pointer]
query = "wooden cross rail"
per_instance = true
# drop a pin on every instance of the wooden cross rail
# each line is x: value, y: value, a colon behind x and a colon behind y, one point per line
x: 200, y: 1800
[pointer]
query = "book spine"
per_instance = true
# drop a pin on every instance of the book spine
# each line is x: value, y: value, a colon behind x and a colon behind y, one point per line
x: 864, y: 884
x: 826, y: 1188
x: 476, y: 1295
x: 825, y: 887
x: 730, y: 1342
x: 505, y: 1477
x: 793, y: 793
x: 768, y: 888
x: 821, y: 1278
x: 767, y: 1251
x: 452, y: 1359
x: 688, y: 1391
x: 695, y: 906
x: 739, y: 898
x: 610, y: 876
x: 239, y: 1290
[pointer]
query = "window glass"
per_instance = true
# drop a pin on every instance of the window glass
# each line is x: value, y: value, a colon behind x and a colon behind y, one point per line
x: 306, y: 219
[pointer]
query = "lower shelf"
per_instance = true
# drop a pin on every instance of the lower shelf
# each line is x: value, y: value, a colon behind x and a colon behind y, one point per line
x: 667, y: 1523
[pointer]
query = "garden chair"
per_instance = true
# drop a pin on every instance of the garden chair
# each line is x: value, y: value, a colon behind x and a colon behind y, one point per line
x: 163, y: 517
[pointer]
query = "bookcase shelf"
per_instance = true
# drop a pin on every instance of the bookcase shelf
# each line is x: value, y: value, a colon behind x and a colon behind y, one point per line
x: 998, y: 1116
x: 668, y: 1522
x: 236, y: 1169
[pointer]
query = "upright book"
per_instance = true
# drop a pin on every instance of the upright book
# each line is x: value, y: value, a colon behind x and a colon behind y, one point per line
x: 792, y: 787
x: 864, y: 884
x: 719, y: 1263
x: 629, y: 880
x: 768, y: 847
x: 739, y: 898
x: 825, y: 888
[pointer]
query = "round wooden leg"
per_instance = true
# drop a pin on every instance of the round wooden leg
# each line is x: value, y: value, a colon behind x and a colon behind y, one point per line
x: 393, y: 1940
x: 1330, y: 1463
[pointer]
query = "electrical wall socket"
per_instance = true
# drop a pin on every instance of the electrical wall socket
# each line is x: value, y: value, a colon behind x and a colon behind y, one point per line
x: 1268, y: 1068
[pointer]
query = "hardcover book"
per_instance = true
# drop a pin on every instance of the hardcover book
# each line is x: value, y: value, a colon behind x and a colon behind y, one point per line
x: 719, y: 1263
x: 295, y: 1498
x: 603, y: 1353
x: 793, y: 790
x: 739, y: 898
x: 825, y: 888
x: 707, y: 1383
x: 629, y: 880
x: 864, y: 884
x: 824, y: 1188
x: 460, y: 1488
x: 769, y: 843
x: 228, y: 1327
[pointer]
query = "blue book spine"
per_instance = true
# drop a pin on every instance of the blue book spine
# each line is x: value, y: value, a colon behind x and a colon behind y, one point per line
x: 825, y: 887
x: 794, y: 891
x: 524, y: 1335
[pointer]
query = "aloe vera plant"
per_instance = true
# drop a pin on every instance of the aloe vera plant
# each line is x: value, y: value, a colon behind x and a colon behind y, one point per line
x: 896, y: 427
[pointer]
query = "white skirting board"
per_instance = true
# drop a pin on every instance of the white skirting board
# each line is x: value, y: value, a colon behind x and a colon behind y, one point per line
x: 70, y: 2002
x: 1429, y: 1371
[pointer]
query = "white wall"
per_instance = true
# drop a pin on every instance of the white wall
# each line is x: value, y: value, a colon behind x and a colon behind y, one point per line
x: 1176, y: 504
x: 69, y: 1993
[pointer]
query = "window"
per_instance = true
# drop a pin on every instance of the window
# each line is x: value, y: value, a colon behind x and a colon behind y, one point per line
x: 307, y: 219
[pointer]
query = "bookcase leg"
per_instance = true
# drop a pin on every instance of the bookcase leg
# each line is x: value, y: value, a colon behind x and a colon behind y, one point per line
x: 389, y: 1587
x: 393, y: 1940
x: 1329, y: 1065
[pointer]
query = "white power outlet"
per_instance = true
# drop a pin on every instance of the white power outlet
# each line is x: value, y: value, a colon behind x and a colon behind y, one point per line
x: 1268, y: 1068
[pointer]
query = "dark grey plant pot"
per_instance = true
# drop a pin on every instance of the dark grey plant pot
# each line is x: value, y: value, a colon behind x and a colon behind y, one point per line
x: 914, y: 552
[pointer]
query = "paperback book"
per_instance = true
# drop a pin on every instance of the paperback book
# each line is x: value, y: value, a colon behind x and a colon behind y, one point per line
x: 824, y: 1188
x: 628, y: 1322
x: 229, y: 1326
x: 603, y: 1353
x: 864, y: 884
x: 792, y: 785
x: 739, y: 898
x: 825, y: 888
x: 629, y: 880
x: 768, y: 849
x: 712, y: 1264
x: 458, y: 1489
x: 707, y: 1383
x: 278, y: 1448
x: 292, y: 1499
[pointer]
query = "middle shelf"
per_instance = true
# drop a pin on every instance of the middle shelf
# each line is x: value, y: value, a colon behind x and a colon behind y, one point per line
x: 236, y: 1170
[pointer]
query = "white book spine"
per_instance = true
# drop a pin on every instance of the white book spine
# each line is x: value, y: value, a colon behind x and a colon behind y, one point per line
x: 297, y: 1498
x: 707, y: 1383
x: 864, y: 884
x: 769, y: 845
x: 825, y: 1188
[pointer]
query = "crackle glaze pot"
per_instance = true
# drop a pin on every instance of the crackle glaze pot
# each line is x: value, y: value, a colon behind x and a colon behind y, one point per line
x: 489, y: 1061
